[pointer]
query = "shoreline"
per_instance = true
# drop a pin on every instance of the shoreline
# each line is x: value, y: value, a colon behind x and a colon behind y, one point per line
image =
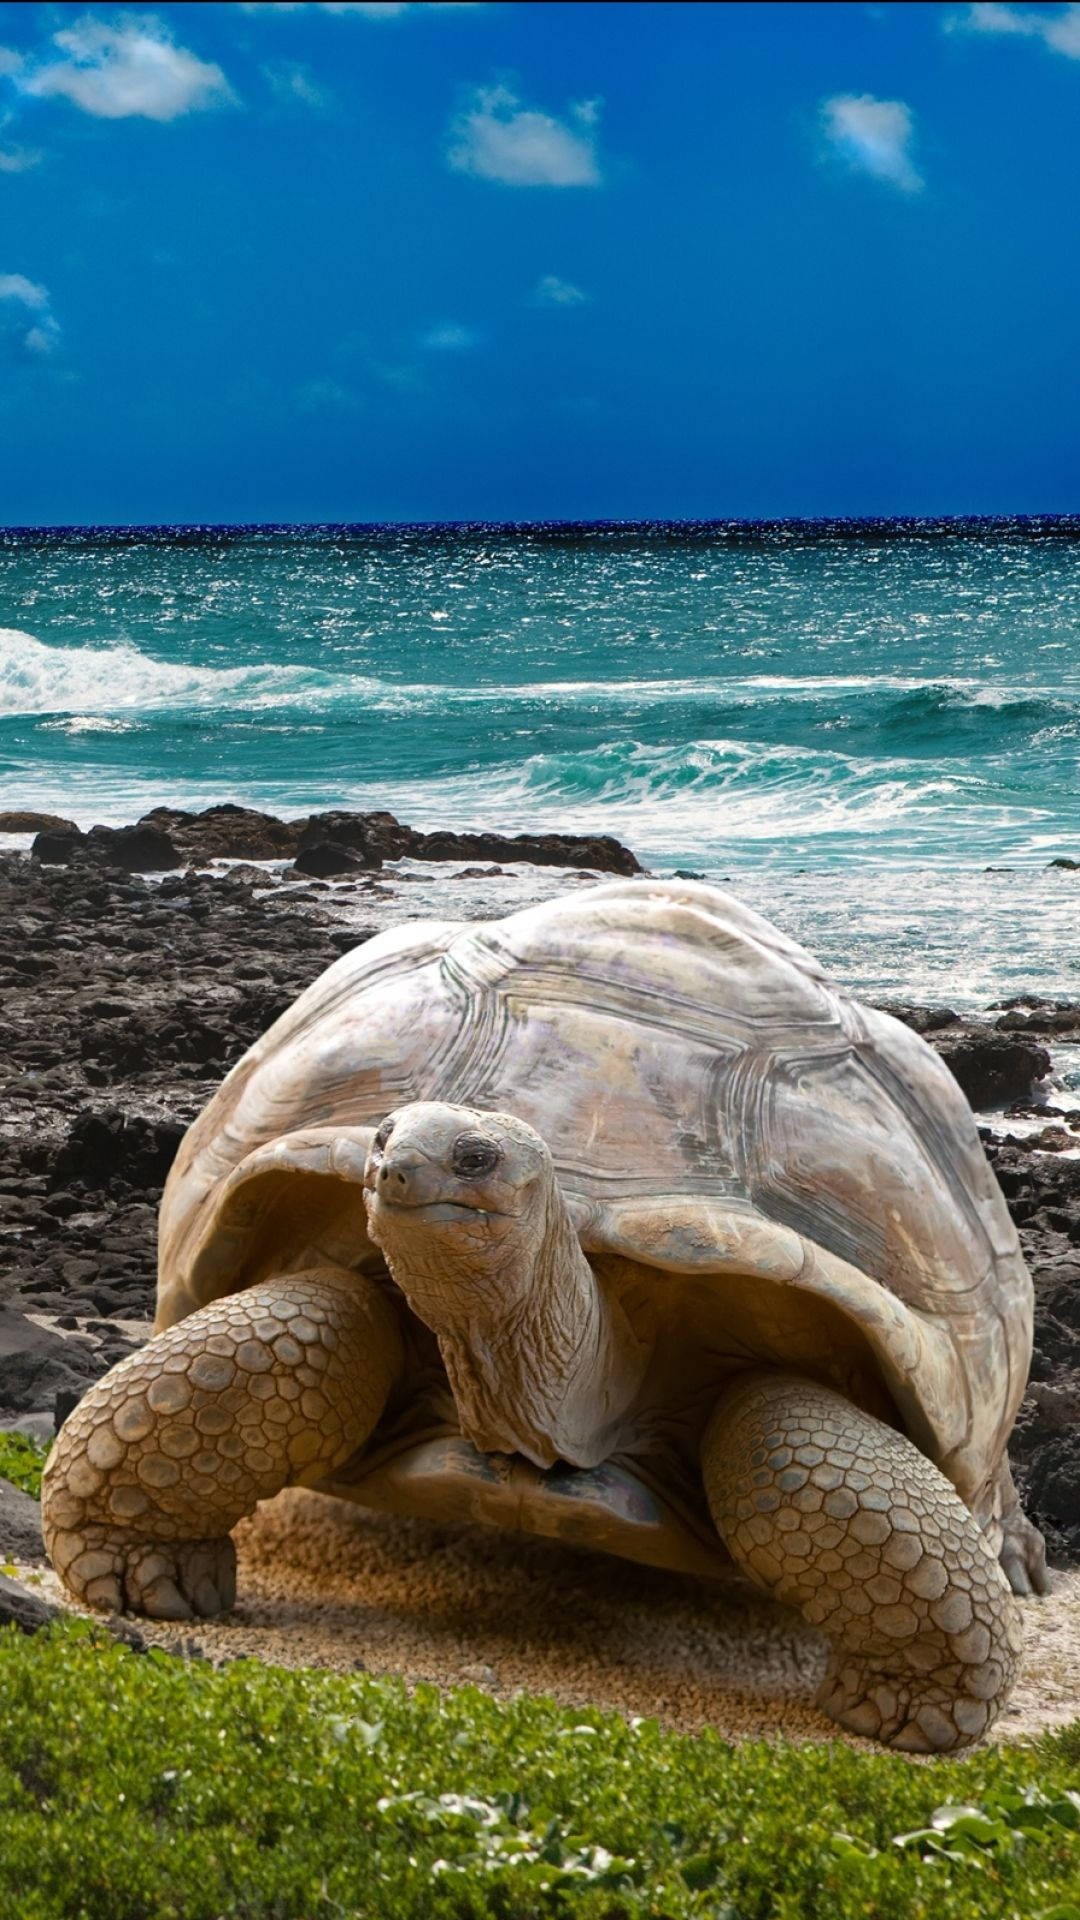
x: 897, y: 928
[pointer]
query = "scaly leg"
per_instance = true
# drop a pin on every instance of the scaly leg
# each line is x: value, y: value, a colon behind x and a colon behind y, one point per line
x: 1023, y: 1549
x: 266, y: 1389
x: 839, y: 1515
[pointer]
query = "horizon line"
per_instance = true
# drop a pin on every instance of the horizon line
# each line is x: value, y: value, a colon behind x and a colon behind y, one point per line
x: 728, y: 522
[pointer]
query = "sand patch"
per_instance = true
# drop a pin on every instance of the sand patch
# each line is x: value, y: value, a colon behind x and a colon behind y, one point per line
x: 323, y: 1584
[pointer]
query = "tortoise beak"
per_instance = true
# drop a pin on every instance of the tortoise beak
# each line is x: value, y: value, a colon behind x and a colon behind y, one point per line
x: 405, y: 1177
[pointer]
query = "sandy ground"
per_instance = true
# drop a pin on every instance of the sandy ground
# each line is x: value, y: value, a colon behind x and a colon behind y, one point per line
x: 323, y: 1584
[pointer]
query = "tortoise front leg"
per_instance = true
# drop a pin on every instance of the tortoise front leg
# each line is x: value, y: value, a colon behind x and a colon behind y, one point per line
x: 839, y: 1515
x: 266, y: 1389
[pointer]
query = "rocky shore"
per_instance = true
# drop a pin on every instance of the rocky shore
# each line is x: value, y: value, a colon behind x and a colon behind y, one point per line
x: 125, y: 999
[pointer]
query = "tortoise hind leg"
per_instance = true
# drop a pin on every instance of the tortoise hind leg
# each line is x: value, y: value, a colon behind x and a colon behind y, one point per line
x: 1023, y: 1549
x: 839, y: 1515
x: 265, y: 1389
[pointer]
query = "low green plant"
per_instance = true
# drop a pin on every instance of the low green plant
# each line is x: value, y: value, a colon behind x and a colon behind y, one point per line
x: 21, y: 1461
x: 148, y: 1787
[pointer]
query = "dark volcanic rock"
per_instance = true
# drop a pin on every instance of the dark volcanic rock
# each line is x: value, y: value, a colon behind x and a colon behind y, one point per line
x: 1053, y: 1484
x: 23, y: 1609
x: 322, y: 860
x: 242, y: 833
x: 601, y: 853
x: 20, y: 1525
x: 122, y: 1006
x: 922, y: 1019
x: 1043, y: 1194
x: 225, y: 833
x: 1039, y: 1019
x: 58, y: 846
x: 112, y: 1145
x: 22, y: 822
x: 35, y: 1364
x: 363, y: 835
x: 139, y: 849
x: 994, y: 1068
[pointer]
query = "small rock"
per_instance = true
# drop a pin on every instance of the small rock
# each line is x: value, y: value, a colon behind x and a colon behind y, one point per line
x: 22, y: 822
x: 23, y: 1609
x: 479, y: 1675
x: 20, y: 1525
x: 321, y: 859
x: 225, y: 832
x: 994, y: 1068
x: 356, y: 832
x: 59, y: 847
x: 921, y: 1019
x: 39, y: 1426
x: 66, y: 1402
x: 138, y: 849
x: 1052, y: 1140
x: 33, y: 1363
x: 103, y: 1147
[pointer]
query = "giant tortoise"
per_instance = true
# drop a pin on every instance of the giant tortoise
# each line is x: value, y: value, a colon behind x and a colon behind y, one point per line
x: 614, y: 1221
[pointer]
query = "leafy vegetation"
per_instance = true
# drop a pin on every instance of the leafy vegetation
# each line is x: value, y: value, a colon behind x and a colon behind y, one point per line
x: 147, y: 1787
x: 21, y: 1461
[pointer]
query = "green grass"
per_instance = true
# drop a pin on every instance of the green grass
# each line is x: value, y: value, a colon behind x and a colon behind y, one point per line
x: 145, y: 1787
x: 21, y: 1461
x: 149, y: 1788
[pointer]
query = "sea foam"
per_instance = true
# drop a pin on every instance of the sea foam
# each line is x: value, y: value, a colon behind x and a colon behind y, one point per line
x: 41, y: 678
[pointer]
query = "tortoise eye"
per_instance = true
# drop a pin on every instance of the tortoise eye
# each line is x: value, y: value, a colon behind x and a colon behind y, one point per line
x: 473, y: 1154
x: 383, y: 1133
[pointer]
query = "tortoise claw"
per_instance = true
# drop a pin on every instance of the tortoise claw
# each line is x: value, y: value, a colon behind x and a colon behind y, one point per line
x: 1023, y: 1555
x: 114, y: 1572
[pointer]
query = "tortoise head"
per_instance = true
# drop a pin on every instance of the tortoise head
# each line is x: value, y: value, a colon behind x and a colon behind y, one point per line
x: 460, y: 1203
x: 468, y: 1211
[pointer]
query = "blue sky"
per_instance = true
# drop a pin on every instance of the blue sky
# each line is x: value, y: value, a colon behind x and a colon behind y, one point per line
x: 538, y: 260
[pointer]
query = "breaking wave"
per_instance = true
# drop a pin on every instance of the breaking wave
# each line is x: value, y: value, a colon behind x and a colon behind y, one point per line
x: 36, y: 678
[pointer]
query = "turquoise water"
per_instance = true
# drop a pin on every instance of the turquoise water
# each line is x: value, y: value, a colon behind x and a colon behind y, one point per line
x: 894, y: 705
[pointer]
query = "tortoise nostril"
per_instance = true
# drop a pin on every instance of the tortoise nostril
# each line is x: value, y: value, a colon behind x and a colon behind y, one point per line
x: 407, y: 1177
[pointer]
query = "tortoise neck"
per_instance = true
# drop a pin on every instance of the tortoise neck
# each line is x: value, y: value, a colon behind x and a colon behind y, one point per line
x: 549, y: 1374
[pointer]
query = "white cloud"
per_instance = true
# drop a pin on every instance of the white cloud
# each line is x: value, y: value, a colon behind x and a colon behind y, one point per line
x: 27, y: 322
x: 873, y: 136
x: 368, y: 9
x: 10, y: 61
x: 553, y: 292
x: 449, y: 337
x: 294, y: 82
x: 1060, y: 30
x: 16, y: 286
x: 133, y: 69
x: 497, y: 138
x: 42, y: 339
x: 14, y: 158
x: 19, y: 159
x: 327, y: 396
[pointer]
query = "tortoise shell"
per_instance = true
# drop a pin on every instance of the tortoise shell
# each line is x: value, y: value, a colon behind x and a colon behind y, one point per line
x: 714, y: 1107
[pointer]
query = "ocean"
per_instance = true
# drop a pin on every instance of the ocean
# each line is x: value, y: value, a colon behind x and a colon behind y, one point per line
x: 869, y: 730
